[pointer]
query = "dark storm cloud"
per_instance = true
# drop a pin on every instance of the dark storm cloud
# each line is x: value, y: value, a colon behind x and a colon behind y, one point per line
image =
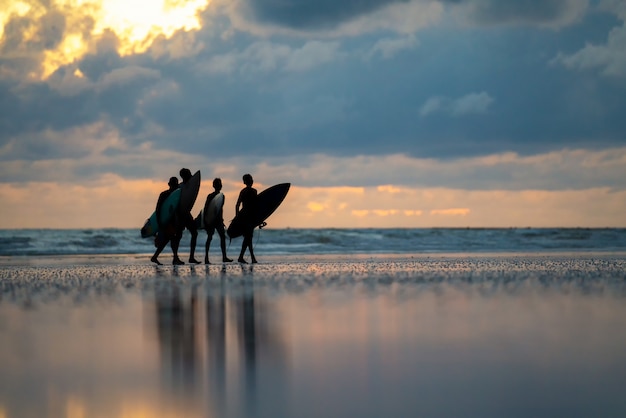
x: 324, y: 14
x: 314, y: 14
x: 260, y: 104
x: 110, y: 90
x: 51, y: 29
x: 29, y: 34
x: 524, y: 11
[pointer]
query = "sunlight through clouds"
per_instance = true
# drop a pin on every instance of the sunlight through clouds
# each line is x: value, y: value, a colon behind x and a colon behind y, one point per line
x: 77, y: 24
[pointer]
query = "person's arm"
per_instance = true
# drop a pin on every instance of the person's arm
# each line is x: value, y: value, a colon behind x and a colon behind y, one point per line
x: 159, y: 205
x: 206, y: 203
x: 239, y: 201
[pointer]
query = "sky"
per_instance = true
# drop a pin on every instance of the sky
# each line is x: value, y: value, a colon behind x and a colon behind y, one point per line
x: 380, y: 113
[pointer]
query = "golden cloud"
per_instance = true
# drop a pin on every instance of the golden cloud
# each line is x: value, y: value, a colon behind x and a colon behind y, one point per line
x: 413, y: 213
x: 360, y: 213
x: 315, y: 206
x: 66, y: 30
x: 388, y: 188
x: 385, y: 212
x: 451, y: 212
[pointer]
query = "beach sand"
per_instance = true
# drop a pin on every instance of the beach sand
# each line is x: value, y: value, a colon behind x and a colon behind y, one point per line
x: 486, y: 335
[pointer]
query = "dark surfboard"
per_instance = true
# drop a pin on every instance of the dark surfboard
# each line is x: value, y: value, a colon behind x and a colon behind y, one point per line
x: 266, y: 203
x: 181, y: 199
x: 189, y: 193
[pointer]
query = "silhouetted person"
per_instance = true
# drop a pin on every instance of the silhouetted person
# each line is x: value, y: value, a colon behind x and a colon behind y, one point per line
x: 216, y: 224
x: 185, y: 220
x: 168, y: 231
x: 247, y: 201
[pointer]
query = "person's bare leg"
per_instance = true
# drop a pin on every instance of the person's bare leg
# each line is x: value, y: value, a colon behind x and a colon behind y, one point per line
x: 175, y: 243
x: 206, y: 249
x: 192, y: 246
x: 252, y: 255
x: 243, y: 250
x: 155, y: 256
x: 222, y: 235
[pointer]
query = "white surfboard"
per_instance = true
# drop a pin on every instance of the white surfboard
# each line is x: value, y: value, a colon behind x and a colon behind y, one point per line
x: 210, y: 213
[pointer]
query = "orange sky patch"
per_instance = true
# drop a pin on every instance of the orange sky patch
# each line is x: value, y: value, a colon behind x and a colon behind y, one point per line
x: 451, y: 212
x: 113, y: 201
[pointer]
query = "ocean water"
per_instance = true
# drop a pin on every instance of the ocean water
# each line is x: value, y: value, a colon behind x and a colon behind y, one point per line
x: 35, y: 242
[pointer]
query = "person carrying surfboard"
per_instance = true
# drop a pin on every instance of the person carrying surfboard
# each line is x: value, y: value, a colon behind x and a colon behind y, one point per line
x: 185, y: 220
x: 247, y: 203
x: 214, y: 213
x: 167, y: 232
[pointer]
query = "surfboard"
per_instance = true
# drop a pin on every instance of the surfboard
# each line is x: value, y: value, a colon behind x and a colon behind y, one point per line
x: 208, y: 214
x: 267, y: 202
x: 211, y: 212
x: 181, y: 199
x: 151, y: 227
x: 189, y: 193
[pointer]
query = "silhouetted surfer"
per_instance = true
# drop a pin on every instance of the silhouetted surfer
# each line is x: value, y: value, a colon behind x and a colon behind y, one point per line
x: 185, y: 220
x: 216, y: 224
x: 247, y: 201
x: 167, y: 232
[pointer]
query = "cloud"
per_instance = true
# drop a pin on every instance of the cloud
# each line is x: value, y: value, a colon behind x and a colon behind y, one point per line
x: 83, y: 153
x: 331, y: 18
x: 451, y: 212
x: 546, y: 13
x: 471, y: 104
x: 617, y: 7
x: 51, y: 35
x: 313, y: 13
x: 385, y: 212
x: 111, y: 201
x: 306, y: 93
x: 69, y: 83
x: 565, y: 169
x: 411, y: 212
x: 389, y: 47
x: 339, y: 18
x: 609, y: 59
x: 264, y: 56
x: 311, y: 55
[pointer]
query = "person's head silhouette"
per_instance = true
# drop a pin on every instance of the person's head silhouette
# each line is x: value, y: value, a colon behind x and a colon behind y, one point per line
x: 247, y: 180
x: 185, y: 174
x: 217, y: 184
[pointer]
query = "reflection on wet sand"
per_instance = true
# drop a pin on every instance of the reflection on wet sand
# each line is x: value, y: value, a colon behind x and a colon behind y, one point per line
x: 210, y: 339
x: 483, y: 336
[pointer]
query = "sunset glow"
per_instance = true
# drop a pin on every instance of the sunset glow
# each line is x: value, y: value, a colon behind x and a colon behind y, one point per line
x: 136, y: 25
x: 353, y: 104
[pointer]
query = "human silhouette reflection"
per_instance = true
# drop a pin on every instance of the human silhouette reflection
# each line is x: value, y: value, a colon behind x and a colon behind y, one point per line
x: 248, y: 335
x: 175, y: 320
x: 216, y: 341
x: 241, y: 349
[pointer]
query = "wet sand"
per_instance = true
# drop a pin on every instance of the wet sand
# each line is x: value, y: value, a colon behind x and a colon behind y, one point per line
x: 337, y: 335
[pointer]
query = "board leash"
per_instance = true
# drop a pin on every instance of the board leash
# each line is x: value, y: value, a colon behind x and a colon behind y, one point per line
x: 263, y: 225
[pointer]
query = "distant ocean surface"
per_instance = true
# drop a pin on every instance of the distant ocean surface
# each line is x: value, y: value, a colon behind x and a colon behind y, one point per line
x: 35, y: 242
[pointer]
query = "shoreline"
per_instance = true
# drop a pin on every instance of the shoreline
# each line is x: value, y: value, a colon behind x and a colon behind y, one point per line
x: 144, y: 259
